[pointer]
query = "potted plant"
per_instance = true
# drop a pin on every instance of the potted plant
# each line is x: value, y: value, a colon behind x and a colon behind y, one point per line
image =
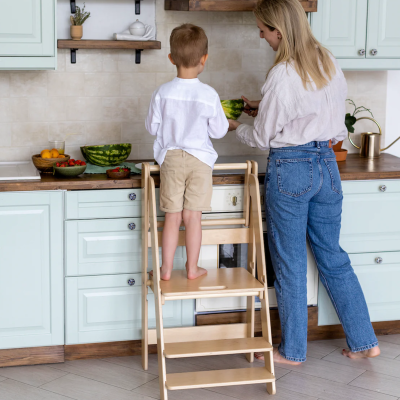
x: 77, y: 21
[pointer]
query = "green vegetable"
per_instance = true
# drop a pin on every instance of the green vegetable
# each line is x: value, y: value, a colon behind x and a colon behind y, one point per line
x: 233, y: 108
x: 107, y: 155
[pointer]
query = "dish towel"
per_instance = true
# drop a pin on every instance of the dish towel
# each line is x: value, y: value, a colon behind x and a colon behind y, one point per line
x: 126, y: 35
x: 95, y: 169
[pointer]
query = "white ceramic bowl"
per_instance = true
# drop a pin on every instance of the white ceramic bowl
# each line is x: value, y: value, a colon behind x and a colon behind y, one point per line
x: 137, y: 28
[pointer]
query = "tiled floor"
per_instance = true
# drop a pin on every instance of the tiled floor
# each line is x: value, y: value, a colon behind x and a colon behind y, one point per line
x: 326, y: 375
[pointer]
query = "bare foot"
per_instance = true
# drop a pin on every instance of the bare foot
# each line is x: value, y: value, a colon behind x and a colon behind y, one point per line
x: 277, y: 358
x: 194, y: 273
x: 371, y: 353
x: 165, y: 276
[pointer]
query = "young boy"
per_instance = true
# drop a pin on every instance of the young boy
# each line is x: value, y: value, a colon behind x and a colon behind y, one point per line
x: 184, y: 114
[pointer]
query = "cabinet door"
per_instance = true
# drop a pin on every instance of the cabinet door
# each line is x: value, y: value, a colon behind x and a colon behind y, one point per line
x: 341, y: 26
x: 31, y: 270
x: 107, y: 309
x: 379, y: 275
x: 383, y: 29
x: 27, y: 28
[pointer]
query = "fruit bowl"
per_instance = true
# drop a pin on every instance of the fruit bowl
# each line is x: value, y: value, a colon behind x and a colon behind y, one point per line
x: 45, y: 165
x: 69, y: 171
x: 118, y: 175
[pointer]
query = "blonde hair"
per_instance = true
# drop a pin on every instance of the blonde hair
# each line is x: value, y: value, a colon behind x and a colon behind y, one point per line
x: 188, y: 44
x: 311, y: 60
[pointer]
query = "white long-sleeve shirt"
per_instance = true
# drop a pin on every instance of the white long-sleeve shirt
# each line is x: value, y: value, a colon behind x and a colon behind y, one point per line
x: 290, y: 115
x: 184, y: 114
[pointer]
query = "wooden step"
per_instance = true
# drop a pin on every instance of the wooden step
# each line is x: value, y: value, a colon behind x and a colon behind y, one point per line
x: 222, y: 282
x: 224, y: 377
x: 216, y: 347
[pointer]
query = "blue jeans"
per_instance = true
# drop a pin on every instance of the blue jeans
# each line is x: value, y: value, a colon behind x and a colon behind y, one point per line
x: 304, y: 201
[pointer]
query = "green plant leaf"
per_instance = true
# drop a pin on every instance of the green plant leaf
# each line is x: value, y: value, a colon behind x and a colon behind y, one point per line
x: 349, y: 121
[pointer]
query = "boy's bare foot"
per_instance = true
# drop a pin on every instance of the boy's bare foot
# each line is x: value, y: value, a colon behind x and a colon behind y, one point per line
x: 371, y: 353
x: 277, y: 358
x: 194, y: 273
x: 165, y: 276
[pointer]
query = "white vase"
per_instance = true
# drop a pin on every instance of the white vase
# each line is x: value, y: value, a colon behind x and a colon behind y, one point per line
x: 137, y: 28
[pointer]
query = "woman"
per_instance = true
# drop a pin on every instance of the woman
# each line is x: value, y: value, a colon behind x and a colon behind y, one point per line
x: 301, y: 111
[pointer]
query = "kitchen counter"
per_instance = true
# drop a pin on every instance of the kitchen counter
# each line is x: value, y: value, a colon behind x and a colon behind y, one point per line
x: 354, y: 168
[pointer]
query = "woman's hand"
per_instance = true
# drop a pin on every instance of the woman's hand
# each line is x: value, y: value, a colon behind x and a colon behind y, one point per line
x: 251, y: 107
x: 233, y: 124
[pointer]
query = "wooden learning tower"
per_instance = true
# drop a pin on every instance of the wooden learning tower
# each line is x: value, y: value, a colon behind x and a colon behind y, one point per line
x: 209, y: 340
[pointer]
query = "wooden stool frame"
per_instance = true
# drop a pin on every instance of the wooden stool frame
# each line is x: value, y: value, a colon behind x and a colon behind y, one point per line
x: 211, y: 339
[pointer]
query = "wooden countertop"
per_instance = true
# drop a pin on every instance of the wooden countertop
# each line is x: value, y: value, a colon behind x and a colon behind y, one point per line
x: 354, y: 168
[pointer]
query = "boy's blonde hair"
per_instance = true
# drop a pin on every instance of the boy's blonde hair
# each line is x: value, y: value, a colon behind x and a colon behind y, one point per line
x: 188, y: 44
x: 311, y: 60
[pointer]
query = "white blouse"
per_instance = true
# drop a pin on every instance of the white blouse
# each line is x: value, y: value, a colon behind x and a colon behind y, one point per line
x: 290, y: 115
x: 184, y: 114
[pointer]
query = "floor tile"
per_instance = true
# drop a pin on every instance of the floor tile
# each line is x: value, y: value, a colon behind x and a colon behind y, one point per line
x: 112, y: 374
x: 174, y: 365
x: 80, y: 388
x: 13, y: 390
x: 327, y: 370
x: 379, y: 383
x: 380, y: 365
x: 34, y: 375
x: 2, y: 378
x: 390, y: 338
x: 325, y: 389
x: 319, y: 349
x: 152, y: 390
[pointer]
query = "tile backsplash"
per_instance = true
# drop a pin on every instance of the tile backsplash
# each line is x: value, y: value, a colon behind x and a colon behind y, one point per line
x: 104, y: 97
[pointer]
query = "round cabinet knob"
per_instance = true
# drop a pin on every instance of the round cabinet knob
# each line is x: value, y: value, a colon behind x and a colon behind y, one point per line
x: 132, y: 226
x: 132, y: 196
x: 361, y: 52
x: 131, y: 282
x: 383, y: 188
x: 374, y: 52
x: 379, y: 260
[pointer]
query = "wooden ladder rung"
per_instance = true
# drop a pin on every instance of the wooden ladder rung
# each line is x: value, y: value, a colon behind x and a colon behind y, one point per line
x: 216, y: 347
x: 224, y: 377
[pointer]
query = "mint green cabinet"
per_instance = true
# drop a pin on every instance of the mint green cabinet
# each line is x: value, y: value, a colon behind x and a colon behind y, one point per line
x: 31, y: 269
x: 28, y: 34
x: 361, y: 34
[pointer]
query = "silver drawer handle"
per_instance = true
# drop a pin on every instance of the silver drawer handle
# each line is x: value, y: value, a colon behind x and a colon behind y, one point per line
x: 132, y: 226
x: 132, y: 196
x: 361, y: 52
x: 131, y: 282
x: 382, y: 188
x: 379, y: 260
x: 374, y: 52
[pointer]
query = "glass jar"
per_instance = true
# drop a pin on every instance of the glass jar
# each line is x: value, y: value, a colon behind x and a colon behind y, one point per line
x: 59, y: 145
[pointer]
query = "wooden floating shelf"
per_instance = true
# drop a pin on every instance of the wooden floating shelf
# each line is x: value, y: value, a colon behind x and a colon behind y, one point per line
x: 75, y: 45
x: 225, y: 5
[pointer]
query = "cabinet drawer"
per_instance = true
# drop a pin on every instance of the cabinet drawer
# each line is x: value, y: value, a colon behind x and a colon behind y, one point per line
x: 371, y: 217
x: 107, y: 309
x: 103, y: 246
x: 91, y: 204
x: 380, y: 283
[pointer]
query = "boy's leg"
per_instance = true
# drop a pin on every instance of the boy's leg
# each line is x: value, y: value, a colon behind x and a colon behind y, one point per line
x: 192, y: 220
x: 169, y: 242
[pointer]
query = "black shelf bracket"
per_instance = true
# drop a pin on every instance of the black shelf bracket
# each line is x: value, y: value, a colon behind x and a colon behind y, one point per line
x: 137, y: 7
x: 73, y: 6
x: 138, y: 56
x: 73, y: 56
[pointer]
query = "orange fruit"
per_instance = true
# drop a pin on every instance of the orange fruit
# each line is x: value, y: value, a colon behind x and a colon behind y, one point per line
x: 61, y: 156
x: 46, y: 154
x: 54, y: 153
x: 44, y: 151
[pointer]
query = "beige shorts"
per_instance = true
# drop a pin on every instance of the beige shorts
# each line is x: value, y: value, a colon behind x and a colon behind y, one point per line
x: 186, y: 183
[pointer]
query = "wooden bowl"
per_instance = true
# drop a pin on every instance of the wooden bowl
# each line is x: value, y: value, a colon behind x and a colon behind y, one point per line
x: 118, y: 175
x: 69, y: 171
x: 341, y: 155
x: 45, y: 165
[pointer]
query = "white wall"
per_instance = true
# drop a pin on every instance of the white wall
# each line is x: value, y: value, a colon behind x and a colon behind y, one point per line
x: 393, y: 112
x: 107, y: 17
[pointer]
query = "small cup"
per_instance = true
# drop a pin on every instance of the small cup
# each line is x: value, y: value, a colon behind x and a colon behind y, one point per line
x: 59, y: 145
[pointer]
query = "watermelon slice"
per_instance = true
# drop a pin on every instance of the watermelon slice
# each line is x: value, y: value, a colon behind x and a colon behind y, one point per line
x: 233, y: 108
x: 107, y: 154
